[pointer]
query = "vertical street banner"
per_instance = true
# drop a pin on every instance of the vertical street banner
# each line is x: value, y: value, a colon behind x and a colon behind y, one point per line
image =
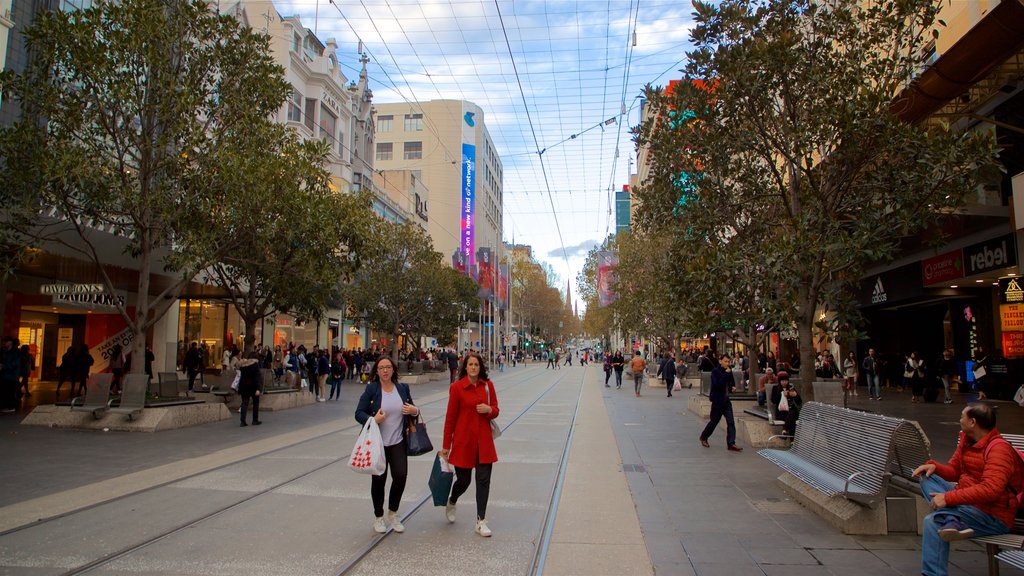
x: 459, y: 261
x: 467, y: 188
x: 485, y: 273
x: 503, y: 286
x: 607, y: 262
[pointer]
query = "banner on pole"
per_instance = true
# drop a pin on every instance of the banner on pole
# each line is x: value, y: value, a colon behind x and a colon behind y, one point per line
x: 503, y: 286
x: 607, y: 262
x: 485, y: 273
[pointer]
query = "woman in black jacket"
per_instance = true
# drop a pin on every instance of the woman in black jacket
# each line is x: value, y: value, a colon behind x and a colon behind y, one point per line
x: 249, y: 383
x: 792, y: 398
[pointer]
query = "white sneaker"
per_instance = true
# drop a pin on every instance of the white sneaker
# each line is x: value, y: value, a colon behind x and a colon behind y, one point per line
x: 482, y: 529
x: 394, y: 522
x: 449, y: 512
x: 379, y: 526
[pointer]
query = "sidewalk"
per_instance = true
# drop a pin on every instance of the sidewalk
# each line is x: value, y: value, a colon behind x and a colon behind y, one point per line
x: 707, y: 511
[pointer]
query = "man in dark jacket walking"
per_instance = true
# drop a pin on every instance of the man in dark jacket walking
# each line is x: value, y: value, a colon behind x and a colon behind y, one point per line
x: 721, y: 385
x: 668, y: 373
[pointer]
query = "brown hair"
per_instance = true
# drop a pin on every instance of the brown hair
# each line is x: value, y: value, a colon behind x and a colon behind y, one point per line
x: 483, y: 365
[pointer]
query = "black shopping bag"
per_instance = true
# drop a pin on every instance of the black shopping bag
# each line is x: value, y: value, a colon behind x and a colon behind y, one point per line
x: 418, y: 443
x: 440, y: 483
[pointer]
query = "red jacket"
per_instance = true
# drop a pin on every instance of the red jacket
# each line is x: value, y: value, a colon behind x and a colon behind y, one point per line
x: 467, y: 434
x: 985, y: 485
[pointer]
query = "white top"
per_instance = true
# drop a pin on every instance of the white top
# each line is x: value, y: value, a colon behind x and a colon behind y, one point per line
x: 391, y: 427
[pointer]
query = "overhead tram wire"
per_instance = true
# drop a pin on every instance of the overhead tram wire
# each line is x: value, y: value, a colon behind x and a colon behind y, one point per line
x: 536, y: 143
x: 625, y: 87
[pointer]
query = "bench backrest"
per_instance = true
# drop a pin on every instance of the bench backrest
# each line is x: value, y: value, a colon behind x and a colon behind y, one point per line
x: 828, y: 392
x: 845, y: 442
x: 97, y: 389
x: 166, y: 377
x: 134, y: 393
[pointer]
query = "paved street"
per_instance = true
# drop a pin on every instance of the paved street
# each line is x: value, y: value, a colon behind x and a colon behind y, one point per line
x: 638, y: 495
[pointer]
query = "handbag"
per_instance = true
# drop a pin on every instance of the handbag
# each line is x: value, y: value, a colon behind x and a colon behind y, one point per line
x: 440, y: 481
x: 305, y: 384
x: 495, y: 429
x: 1019, y: 396
x: 784, y: 403
x: 980, y: 372
x: 418, y: 443
x: 368, y: 453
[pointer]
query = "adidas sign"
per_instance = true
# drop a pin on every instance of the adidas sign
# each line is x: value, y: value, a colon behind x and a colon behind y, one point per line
x: 878, y: 294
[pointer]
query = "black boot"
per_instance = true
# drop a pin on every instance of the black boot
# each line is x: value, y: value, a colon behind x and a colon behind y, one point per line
x: 243, y: 423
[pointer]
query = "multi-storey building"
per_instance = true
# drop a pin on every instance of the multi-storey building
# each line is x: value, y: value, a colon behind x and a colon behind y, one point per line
x: 404, y: 197
x: 447, y: 145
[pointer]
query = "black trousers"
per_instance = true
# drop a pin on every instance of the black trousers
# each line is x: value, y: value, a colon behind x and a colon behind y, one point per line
x: 397, y: 458
x: 483, y: 486
x: 717, y: 412
x: 255, y: 407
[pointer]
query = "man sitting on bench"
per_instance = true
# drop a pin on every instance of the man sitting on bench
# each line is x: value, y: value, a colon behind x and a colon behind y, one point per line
x: 981, y: 502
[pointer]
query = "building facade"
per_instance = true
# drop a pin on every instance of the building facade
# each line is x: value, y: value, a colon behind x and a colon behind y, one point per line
x: 447, y: 145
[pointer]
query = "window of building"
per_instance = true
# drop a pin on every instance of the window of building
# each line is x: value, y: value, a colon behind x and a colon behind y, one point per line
x: 384, y: 123
x: 295, y: 107
x: 385, y: 150
x: 414, y: 122
x: 310, y: 114
x: 329, y: 127
x: 296, y: 42
x: 412, y: 150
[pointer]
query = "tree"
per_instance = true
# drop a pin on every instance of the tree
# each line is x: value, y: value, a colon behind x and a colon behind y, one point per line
x: 297, y: 235
x: 138, y: 100
x: 402, y: 286
x: 784, y: 116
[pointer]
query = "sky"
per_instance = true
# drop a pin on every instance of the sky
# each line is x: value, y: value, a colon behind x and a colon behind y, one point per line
x: 559, y: 82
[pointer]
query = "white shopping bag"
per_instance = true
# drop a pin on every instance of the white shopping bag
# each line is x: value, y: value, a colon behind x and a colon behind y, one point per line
x: 1019, y: 396
x: 368, y: 453
x: 678, y: 385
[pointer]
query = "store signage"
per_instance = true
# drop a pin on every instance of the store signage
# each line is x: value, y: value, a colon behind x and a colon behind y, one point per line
x: 943, y: 268
x: 990, y: 255
x: 891, y: 286
x: 1011, y: 291
x: 53, y: 289
x: 102, y: 301
x: 1013, y: 344
x: 1011, y: 317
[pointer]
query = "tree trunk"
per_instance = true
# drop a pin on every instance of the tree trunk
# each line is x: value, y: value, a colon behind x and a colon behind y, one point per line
x: 250, y: 335
x: 754, y: 369
x: 805, y: 331
x: 137, y: 326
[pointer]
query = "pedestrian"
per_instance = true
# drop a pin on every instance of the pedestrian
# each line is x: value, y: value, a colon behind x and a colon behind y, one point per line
x: 291, y: 366
x: 453, y: 365
x: 338, y: 370
x: 980, y: 372
x: 250, y: 384
x: 637, y: 365
x: 193, y: 364
x: 116, y: 364
x: 67, y: 370
x: 618, y: 364
x: 873, y: 373
x: 25, y: 363
x: 947, y: 373
x: 83, y: 365
x: 721, y: 385
x: 388, y: 402
x: 764, y: 384
x: 323, y: 370
x: 607, y: 369
x: 793, y: 401
x: 913, y: 376
x: 551, y: 359
x: 668, y: 374
x: 972, y: 494
x: 850, y: 372
x: 468, y: 441
x: 10, y: 371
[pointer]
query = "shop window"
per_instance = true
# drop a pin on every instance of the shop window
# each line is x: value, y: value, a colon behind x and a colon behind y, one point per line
x: 204, y: 322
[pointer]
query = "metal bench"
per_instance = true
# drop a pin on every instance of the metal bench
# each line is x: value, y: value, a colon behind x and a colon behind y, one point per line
x: 97, y: 395
x: 851, y: 454
x: 133, y: 397
x: 1014, y: 540
x: 1014, y: 558
x: 222, y: 387
x: 829, y: 392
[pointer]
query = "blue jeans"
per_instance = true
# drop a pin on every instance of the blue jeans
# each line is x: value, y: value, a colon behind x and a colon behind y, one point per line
x: 335, y: 388
x: 874, y: 389
x: 934, y: 551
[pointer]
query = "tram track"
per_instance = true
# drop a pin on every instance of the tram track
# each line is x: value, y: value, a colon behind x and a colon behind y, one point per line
x: 354, y: 559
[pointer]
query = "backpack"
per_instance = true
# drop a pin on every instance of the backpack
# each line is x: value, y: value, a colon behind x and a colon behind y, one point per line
x: 1016, y: 484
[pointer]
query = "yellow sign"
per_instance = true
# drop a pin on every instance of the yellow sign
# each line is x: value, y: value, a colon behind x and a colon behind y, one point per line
x: 1012, y: 317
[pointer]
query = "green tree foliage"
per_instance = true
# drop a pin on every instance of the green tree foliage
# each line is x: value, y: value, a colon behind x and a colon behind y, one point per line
x: 129, y: 113
x: 403, y: 287
x: 537, y: 305
x: 780, y: 152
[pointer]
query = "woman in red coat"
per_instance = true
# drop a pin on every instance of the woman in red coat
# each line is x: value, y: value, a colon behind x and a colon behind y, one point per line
x: 468, y: 444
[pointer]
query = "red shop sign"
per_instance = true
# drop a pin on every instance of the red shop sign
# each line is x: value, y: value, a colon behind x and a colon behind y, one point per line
x: 943, y: 268
x: 1013, y: 344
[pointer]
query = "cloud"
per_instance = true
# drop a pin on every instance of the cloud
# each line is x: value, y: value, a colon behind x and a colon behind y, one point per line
x: 576, y: 251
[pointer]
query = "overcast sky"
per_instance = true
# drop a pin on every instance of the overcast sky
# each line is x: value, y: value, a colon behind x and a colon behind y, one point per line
x: 573, y: 66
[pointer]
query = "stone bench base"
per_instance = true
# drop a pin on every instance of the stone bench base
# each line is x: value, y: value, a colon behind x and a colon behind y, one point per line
x: 899, y: 512
x: 755, y: 432
x: 284, y: 400
x: 152, y: 419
